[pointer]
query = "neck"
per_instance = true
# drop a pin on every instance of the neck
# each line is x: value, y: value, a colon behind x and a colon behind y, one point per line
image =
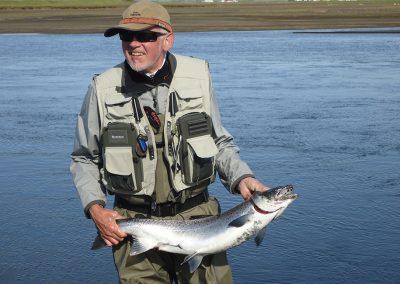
x: 155, y: 70
x: 163, y: 75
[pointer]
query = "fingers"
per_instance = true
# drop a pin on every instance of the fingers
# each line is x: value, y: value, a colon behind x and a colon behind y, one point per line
x: 118, y: 234
x: 115, y: 227
x: 247, y: 196
x: 105, y: 220
x: 265, y: 188
x: 111, y: 230
x: 249, y: 185
x: 256, y: 185
x: 245, y: 192
x: 108, y: 243
x: 109, y: 240
x: 112, y: 235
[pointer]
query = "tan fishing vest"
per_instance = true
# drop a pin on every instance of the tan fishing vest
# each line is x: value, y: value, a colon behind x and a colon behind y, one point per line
x: 189, y: 147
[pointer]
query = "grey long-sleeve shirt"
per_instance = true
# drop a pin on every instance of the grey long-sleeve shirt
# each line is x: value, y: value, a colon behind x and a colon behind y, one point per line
x: 87, y: 160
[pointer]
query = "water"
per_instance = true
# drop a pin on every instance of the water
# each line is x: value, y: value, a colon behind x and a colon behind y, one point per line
x: 320, y: 111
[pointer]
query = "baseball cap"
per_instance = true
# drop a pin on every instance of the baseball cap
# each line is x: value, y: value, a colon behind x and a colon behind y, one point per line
x: 141, y: 15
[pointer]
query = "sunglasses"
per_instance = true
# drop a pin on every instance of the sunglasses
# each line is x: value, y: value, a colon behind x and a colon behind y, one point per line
x: 146, y: 36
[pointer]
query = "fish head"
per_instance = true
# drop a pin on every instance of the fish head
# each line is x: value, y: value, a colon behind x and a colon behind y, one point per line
x: 276, y: 199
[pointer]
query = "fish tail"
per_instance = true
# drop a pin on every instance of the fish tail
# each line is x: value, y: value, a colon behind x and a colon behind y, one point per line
x: 98, y: 243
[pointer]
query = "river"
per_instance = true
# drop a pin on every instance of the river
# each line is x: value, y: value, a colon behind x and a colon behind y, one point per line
x: 319, y: 111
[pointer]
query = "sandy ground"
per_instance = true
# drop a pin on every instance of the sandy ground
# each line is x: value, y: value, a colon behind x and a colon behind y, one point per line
x: 210, y: 17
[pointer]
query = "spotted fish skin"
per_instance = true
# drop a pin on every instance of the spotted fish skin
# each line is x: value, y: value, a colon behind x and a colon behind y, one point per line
x: 199, y: 237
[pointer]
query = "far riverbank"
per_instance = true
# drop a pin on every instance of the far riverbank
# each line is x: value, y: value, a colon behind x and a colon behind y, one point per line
x: 209, y: 17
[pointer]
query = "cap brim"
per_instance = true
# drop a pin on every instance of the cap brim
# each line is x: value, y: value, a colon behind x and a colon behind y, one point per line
x: 126, y: 27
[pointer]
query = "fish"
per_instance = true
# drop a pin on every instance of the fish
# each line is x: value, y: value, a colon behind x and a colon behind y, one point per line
x: 197, y: 238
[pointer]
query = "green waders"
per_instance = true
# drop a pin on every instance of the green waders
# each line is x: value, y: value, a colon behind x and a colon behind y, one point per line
x: 162, y: 267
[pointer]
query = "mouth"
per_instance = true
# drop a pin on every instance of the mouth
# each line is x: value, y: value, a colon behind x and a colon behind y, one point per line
x: 290, y: 196
x: 136, y: 53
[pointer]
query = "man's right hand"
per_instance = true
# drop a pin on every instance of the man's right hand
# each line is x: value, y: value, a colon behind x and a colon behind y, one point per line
x: 105, y: 221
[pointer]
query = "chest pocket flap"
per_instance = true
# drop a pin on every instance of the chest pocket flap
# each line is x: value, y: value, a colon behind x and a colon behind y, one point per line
x: 118, y: 160
x: 190, y: 93
x: 203, y: 146
x: 190, y: 98
x: 118, y: 106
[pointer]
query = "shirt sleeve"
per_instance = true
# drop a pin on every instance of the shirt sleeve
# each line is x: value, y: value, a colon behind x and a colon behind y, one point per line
x: 230, y: 167
x: 86, y: 155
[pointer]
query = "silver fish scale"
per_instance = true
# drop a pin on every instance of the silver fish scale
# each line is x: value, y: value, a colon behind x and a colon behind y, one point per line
x: 197, y: 227
x: 199, y: 237
x: 205, y: 235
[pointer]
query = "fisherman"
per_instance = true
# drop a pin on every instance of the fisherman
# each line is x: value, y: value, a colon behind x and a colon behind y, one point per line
x: 149, y: 132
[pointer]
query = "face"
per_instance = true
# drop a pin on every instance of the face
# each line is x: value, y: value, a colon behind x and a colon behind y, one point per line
x: 148, y: 57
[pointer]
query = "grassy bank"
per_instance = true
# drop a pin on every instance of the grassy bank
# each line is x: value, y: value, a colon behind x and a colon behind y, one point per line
x: 96, y: 15
x: 71, y: 4
x: 33, y: 4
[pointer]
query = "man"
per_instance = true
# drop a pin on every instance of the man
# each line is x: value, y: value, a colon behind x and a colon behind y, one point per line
x: 150, y: 133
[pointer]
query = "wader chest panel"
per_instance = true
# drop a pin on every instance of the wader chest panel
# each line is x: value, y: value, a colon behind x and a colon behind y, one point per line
x: 189, y: 148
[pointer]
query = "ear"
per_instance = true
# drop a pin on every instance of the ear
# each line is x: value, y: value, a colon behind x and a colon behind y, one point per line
x: 168, y: 42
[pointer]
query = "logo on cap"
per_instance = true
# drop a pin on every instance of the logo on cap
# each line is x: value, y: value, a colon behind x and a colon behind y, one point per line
x: 135, y: 14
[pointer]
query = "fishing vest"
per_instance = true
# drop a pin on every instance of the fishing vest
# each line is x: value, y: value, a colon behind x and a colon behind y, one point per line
x: 128, y: 142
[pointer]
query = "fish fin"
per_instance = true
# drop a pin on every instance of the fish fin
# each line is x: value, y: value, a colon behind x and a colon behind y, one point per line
x: 260, y: 236
x: 278, y: 215
x: 239, y: 222
x: 194, y: 261
x: 138, y: 246
x: 98, y: 243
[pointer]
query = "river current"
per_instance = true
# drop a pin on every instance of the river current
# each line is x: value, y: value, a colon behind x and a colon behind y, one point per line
x: 319, y: 111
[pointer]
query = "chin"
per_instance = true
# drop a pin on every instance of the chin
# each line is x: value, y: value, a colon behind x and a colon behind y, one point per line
x: 137, y: 67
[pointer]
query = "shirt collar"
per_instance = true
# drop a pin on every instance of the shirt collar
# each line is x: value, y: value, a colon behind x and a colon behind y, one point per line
x: 161, y: 76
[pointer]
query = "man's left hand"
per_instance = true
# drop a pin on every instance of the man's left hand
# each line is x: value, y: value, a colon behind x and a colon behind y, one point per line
x: 248, y: 185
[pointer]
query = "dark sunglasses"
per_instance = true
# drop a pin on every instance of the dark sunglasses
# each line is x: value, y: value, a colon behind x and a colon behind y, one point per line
x: 146, y: 36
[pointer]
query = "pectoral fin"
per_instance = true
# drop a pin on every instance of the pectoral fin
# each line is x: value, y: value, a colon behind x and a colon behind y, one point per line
x: 239, y: 222
x: 260, y: 236
x: 194, y: 261
x: 138, y: 246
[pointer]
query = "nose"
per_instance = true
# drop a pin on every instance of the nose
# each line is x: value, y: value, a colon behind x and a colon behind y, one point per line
x: 134, y: 42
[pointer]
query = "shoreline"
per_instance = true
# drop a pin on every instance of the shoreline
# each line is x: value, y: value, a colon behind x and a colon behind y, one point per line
x: 210, y: 17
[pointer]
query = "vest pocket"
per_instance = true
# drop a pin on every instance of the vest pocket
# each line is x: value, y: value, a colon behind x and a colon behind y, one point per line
x: 190, y: 99
x: 199, y: 163
x: 198, y: 148
x: 118, y: 107
x: 123, y: 169
x: 119, y: 168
